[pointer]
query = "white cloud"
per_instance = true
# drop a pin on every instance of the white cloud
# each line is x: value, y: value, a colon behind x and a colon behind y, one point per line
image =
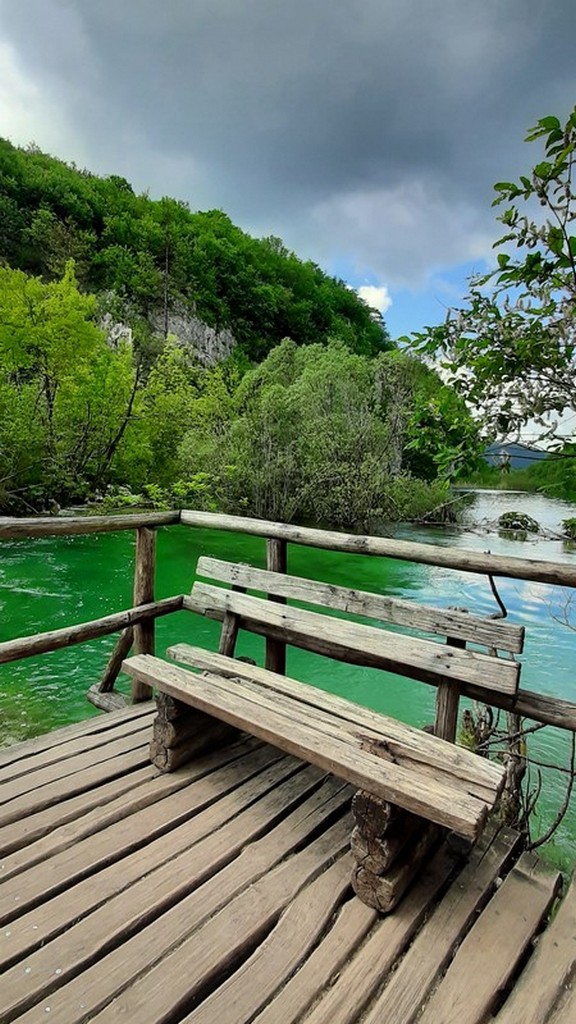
x: 402, y: 233
x: 377, y: 298
x: 28, y: 114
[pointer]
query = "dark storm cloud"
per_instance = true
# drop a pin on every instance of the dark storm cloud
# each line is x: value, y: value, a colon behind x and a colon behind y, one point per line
x: 371, y: 129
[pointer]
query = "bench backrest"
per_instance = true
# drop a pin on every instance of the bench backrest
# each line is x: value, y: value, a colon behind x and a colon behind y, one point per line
x: 358, y: 643
x: 490, y: 633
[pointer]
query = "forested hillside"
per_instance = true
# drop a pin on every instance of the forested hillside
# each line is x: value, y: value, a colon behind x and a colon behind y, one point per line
x: 315, y: 416
x: 158, y: 256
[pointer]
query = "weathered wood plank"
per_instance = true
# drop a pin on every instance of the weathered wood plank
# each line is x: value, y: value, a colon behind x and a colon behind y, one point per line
x: 63, y: 836
x: 36, y: 780
x: 434, y: 946
x: 81, y: 782
x: 33, y: 886
x: 187, y: 971
x: 439, y: 621
x: 203, y: 929
x: 350, y: 928
x: 282, y: 952
x: 426, y: 554
x: 68, y: 526
x: 34, y: 928
x: 357, y: 643
x: 158, y: 888
x: 19, y: 753
x: 55, y: 639
x: 472, y: 986
x: 565, y: 1010
x: 28, y: 829
x: 407, y: 745
x: 317, y: 741
x: 362, y: 976
x: 77, y: 742
x: 550, y: 970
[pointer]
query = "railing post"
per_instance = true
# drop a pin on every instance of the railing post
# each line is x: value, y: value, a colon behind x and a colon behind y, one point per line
x: 447, y: 702
x: 276, y: 561
x: 144, y: 569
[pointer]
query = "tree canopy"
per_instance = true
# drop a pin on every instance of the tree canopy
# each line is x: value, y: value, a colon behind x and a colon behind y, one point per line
x: 333, y: 424
x: 512, y: 350
x: 158, y: 256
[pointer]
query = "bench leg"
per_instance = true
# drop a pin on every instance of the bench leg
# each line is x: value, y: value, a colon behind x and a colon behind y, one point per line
x: 181, y: 733
x: 389, y: 847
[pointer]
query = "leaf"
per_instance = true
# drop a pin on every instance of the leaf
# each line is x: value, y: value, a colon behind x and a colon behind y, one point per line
x: 543, y: 169
x: 550, y: 123
x: 503, y: 260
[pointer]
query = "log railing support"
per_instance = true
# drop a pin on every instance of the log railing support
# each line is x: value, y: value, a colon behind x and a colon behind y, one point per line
x: 447, y: 703
x: 276, y: 561
x: 122, y: 649
x: 144, y: 571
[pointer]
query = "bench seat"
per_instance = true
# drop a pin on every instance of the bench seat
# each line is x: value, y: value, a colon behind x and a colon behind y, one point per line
x: 421, y: 773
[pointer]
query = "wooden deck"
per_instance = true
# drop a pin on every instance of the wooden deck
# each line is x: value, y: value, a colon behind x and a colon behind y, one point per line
x: 220, y: 894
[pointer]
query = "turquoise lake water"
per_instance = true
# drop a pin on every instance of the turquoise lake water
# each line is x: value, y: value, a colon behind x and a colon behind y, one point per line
x: 52, y: 582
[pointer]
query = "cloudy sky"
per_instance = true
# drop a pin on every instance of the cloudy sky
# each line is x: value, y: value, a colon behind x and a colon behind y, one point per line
x: 366, y: 133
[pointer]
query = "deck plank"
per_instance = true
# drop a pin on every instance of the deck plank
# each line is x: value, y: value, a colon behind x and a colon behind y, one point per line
x: 34, y: 826
x: 216, y: 841
x: 154, y: 787
x: 282, y: 952
x: 35, y: 927
x: 190, y: 971
x: 350, y: 928
x: 36, y: 884
x: 223, y: 904
x: 489, y: 954
x: 46, y: 742
x: 35, y: 780
x: 345, y: 1001
x: 411, y: 982
x: 551, y: 968
x: 81, y: 744
x: 565, y: 1010
x: 219, y: 895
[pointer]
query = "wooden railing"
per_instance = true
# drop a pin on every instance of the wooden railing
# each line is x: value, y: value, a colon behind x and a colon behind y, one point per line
x: 136, y: 624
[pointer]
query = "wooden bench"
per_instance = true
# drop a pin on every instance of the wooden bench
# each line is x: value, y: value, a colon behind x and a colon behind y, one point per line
x: 406, y: 777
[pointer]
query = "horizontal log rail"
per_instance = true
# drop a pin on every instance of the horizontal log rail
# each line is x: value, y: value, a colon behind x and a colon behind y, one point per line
x: 428, y: 554
x: 68, y: 526
x: 535, y: 570
x: 67, y: 636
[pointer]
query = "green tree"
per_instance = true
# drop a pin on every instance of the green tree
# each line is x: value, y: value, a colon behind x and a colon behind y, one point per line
x: 512, y: 351
x: 59, y: 380
x: 160, y: 259
x: 309, y: 434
